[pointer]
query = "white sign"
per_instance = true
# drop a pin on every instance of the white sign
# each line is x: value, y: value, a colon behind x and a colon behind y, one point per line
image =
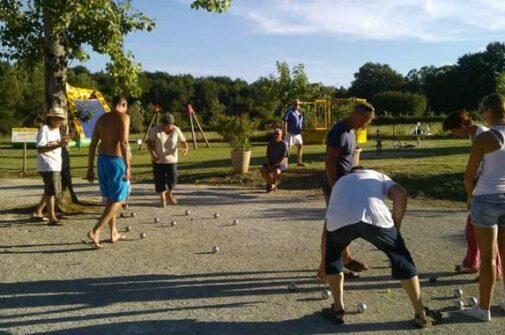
x: 24, y: 135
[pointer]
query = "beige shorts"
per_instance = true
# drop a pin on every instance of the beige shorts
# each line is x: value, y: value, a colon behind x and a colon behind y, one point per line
x: 293, y: 139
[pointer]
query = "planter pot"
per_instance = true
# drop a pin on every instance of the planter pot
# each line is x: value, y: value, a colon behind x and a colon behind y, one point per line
x: 240, y: 161
x: 357, y: 154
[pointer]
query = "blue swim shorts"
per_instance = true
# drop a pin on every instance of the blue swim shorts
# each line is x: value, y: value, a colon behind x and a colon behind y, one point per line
x: 488, y: 210
x: 111, y: 173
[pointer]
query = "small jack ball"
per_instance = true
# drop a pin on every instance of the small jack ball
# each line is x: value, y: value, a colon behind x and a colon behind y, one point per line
x: 215, y: 249
x: 216, y: 215
x: 188, y: 212
x: 362, y: 307
x: 157, y: 220
x: 235, y: 222
x: 143, y: 235
x: 128, y: 228
x: 173, y: 223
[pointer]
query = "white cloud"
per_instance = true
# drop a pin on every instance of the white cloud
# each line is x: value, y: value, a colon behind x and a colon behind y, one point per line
x: 429, y: 20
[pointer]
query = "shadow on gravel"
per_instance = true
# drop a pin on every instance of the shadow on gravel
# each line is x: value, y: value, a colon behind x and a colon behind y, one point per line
x: 54, y: 299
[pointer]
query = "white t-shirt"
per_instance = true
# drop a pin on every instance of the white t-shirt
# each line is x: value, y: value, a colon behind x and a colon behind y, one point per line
x: 359, y: 196
x: 49, y: 160
x: 165, y: 145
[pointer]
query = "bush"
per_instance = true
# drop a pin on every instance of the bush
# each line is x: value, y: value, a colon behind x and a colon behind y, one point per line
x: 236, y: 130
x: 397, y: 103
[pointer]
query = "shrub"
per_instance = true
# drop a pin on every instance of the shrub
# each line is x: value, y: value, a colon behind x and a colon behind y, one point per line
x: 236, y: 130
x: 397, y: 103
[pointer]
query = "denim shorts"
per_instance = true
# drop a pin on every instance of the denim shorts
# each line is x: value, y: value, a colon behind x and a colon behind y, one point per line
x: 488, y: 210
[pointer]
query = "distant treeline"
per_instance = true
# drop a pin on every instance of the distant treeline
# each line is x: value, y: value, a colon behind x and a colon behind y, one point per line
x: 425, y: 92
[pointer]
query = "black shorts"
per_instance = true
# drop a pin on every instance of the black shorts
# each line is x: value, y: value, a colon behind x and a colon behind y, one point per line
x: 52, y: 183
x: 165, y: 176
x: 388, y: 240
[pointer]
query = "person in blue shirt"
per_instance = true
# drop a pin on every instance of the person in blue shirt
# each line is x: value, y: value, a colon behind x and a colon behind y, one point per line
x: 293, y: 122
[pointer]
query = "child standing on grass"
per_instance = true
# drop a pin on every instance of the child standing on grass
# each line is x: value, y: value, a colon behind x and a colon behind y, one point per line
x: 461, y: 125
x: 49, y: 161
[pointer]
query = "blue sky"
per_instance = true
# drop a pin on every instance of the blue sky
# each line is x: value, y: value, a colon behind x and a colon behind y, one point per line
x: 333, y: 38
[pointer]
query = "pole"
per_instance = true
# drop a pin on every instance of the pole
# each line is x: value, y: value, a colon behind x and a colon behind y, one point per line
x: 201, y: 130
x: 155, y: 116
x: 192, y: 129
x: 24, y: 157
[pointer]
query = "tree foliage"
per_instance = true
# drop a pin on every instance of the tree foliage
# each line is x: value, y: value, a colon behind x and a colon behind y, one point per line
x: 373, y: 78
x: 398, y: 103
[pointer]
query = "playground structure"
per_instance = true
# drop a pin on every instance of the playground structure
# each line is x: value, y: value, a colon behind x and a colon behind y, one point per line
x: 320, y: 115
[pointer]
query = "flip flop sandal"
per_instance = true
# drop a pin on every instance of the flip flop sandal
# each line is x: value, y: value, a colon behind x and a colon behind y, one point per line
x: 337, y: 317
x: 39, y: 218
x: 421, y: 322
x: 356, y: 266
x: 436, y: 316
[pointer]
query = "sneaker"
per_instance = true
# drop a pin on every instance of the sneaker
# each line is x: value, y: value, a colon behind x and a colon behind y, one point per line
x: 477, y: 313
x: 502, y: 304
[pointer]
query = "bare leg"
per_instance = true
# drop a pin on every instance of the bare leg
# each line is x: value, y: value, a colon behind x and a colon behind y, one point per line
x: 114, y: 234
x: 170, y: 197
x: 411, y: 286
x: 346, y: 255
x: 39, y: 210
x: 50, y: 208
x: 336, y: 283
x: 487, y: 241
x: 277, y: 176
x: 163, y: 199
x: 108, y: 213
x: 299, y: 154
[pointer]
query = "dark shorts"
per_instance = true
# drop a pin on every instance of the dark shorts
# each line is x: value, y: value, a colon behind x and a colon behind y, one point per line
x: 281, y: 167
x: 52, y: 183
x: 165, y: 176
x: 387, y: 240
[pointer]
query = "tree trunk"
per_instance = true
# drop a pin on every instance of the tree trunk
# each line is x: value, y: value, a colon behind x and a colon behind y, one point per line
x: 55, y: 80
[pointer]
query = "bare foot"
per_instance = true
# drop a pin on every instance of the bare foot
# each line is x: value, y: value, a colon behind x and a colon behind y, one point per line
x: 117, y: 237
x: 171, y: 200
x: 95, y: 239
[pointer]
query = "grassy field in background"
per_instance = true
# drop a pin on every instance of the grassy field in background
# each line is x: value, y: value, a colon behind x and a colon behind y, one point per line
x: 435, y: 170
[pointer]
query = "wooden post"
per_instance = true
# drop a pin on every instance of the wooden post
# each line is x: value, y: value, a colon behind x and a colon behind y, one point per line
x: 24, y: 157
x: 193, y: 137
x: 201, y: 130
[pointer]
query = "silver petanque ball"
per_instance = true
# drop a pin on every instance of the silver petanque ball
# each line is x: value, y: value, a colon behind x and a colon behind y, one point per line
x: 235, y: 222
x: 173, y: 223
x: 133, y: 214
x: 460, y: 305
x: 157, y: 220
x: 458, y: 293
x: 216, y: 215
x: 188, y: 212
x: 292, y: 287
x: 143, y: 235
x: 362, y: 307
x: 472, y: 301
x: 215, y: 249
x: 128, y: 228
x: 326, y: 294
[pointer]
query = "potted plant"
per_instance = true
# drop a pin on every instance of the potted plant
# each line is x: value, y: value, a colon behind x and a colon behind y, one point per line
x: 236, y: 130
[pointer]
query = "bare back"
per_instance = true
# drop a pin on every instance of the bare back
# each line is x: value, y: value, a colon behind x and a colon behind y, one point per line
x: 112, y: 129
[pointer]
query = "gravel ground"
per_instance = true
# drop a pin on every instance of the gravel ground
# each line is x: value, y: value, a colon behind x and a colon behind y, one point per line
x: 171, y: 283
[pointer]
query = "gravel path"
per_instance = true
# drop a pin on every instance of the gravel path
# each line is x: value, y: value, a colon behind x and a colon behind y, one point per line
x: 171, y: 283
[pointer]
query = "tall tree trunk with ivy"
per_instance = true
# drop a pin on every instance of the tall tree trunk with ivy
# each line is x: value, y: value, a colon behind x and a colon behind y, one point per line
x: 55, y: 80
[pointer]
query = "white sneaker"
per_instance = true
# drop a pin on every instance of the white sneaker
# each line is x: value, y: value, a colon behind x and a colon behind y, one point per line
x: 502, y: 304
x: 477, y: 313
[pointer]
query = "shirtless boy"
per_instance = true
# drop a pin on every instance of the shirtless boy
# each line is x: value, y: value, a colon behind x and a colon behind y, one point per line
x: 113, y: 164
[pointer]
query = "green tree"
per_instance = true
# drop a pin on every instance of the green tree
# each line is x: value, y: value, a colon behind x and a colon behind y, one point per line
x: 373, y: 78
x: 399, y: 103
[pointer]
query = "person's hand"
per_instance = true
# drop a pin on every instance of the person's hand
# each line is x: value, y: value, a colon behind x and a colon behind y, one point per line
x: 90, y: 176
x: 64, y: 141
x: 321, y: 272
x: 127, y: 175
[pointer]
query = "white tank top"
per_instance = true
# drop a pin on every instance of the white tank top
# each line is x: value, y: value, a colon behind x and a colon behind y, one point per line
x: 492, y: 176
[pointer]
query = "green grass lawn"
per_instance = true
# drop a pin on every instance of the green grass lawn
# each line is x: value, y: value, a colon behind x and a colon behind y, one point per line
x: 435, y: 170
